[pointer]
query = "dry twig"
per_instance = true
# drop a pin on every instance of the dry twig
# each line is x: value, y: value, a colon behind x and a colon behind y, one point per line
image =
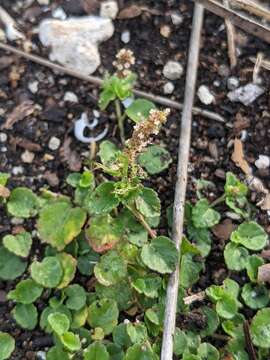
x: 181, y: 184
x: 200, y: 296
x: 257, y: 66
x: 253, y: 7
x: 231, y: 38
x: 249, y: 346
x: 12, y: 32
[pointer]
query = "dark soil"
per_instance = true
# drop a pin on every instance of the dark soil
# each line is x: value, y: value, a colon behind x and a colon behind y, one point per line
x: 211, y: 150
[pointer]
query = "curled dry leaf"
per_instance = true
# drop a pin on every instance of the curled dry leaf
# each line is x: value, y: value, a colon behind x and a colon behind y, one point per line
x: 255, y: 184
x: 223, y: 230
x: 4, y: 192
x: 130, y: 12
x: 238, y: 157
x: 264, y: 273
x: 20, y: 112
x: 24, y: 143
x: 71, y: 157
x: 264, y: 204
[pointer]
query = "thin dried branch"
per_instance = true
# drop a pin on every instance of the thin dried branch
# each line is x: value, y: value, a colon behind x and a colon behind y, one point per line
x: 253, y: 7
x: 249, y: 346
x: 264, y: 62
x: 12, y: 33
x: 231, y: 38
x: 200, y: 296
x: 257, y: 67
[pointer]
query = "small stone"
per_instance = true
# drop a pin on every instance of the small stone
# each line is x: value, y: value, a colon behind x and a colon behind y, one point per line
x: 71, y: 97
x: 41, y: 355
x: 33, y: 87
x: 246, y: 94
x: 17, y: 170
x: 54, y: 143
x: 224, y: 70
x: 52, y: 178
x: 59, y: 13
x: 17, y: 221
x: 205, y: 96
x: 168, y: 88
x: 3, y: 296
x: 232, y: 83
x: 173, y: 70
x: 43, y: 2
x: 177, y: 18
x: 263, y: 162
x: 165, y: 31
x: 125, y: 36
x: 96, y: 113
x: 27, y: 157
x: 109, y: 9
x: 3, y: 137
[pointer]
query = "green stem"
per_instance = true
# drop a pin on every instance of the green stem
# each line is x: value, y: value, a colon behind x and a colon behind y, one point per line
x: 141, y: 219
x: 219, y: 200
x: 120, y: 120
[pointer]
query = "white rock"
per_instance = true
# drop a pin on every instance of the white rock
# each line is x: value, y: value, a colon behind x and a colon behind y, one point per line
x: 33, y: 87
x: 2, y: 35
x: 173, y: 70
x: 41, y: 355
x: 59, y: 13
x: 96, y: 113
x: 109, y: 9
x: 246, y: 94
x: 177, y: 18
x: 168, y: 88
x: 17, y: 170
x: 232, y: 83
x: 27, y: 157
x: 205, y: 96
x: 71, y: 97
x: 74, y: 42
x: 43, y: 2
x: 263, y: 162
x: 54, y: 143
x: 125, y: 36
x: 3, y: 137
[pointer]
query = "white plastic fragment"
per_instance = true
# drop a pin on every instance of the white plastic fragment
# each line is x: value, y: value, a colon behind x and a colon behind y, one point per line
x: 246, y: 94
x: 205, y: 95
x: 82, y: 124
x: 263, y: 162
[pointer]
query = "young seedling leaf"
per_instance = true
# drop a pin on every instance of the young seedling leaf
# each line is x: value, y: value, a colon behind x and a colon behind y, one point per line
x: 140, y: 352
x: 149, y: 286
x: 23, y: 203
x: 102, y: 200
x: 108, y: 152
x: 79, y: 318
x: 19, y: 244
x: 59, y: 323
x: 203, y: 216
x: 110, y: 269
x: 4, y: 178
x: 255, y: 296
x: 59, y: 223
x: 139, y: 110
x: 25, y: 315
x: 148, y: 203
x: 76, y: 297
x: 11, y: 266
x: 68, y: 264
x: 155, y: 159
x: 71, y: 341
x: 260, y: 330
x: 236, y: 257
x: 160, y: 255
x: 96, y: 351
x: 86, y: 263
x: 26, y: 292
x: 104, y: 314
x: 180, y: 342
x: 120, y: 292
x: 252, y: 266
x: 189, y: 270
x: 208, y: 352
x: 56, y: 353
x: 121, y: 337
x: 212, y: 321
x: 137, y: 333
x: 48, y: 273
x: 7, y: 345
x: 44, y: 324
x: 251, y: 235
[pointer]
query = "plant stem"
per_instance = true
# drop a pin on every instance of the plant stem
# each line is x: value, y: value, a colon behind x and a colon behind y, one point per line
x: 141, y: 219
x: 218, y: 201
x: 120, y: 120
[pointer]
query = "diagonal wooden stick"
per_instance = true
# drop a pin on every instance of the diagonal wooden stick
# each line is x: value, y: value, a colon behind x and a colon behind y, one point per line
x: 231, y: 38
x: 181, y: 183
x: 253, y: 7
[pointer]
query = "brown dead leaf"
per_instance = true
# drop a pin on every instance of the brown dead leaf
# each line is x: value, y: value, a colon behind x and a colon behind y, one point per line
x: 24, y: 143
x: 264, y: 273
x: 130, y: 12
x: 18, y: 230
x: 71, y: 157
x: 223, y: 230
x: 241, y: 123
x: 4, y: 192
x: 264, y: 204
x: 238, y: 157
x: 52, y: 178
x: 20, y: 112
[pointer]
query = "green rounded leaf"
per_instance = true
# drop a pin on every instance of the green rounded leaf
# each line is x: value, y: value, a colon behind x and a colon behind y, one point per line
x: 103, y: 314
x: 23, y: 203
x: 234, y: 327
x: 252, y: 266
x: 48, y: 272
x: 19, y: 244
x: 203, y: 216
x: 236, y: 257
x: 26, y: 292
x: 96, y: 351
x: 11, y: 266
x: 79, y: 318
x: 208, y: 352
x: 71, y: 341
x: 137, y: 332
x: 160, y: 255
x: 227, y: 307
x: 4, y: 178
x: 120, y: 292
x: 251, y: 235
x: 260, y: 328
x: 149, y: 286
x: 180, y: 342
x: 57, y: 353
x: 212, y: 321
x: 107, y: 152
x: 110, y: 269
x: 148, y: 203
x: 7, y: 345
x: 155, y: 159
x: 139, y: 110
x: 76, y: 297
x: 120, y: 336
x: 25, y: 315
x: 103, y: 200
x: 140, y: 352
x: 86, y: 263
x: 44, y: 324
x: 189, y: 270
x: 59, y: 322
x: 59, y: 223
x: 68, y: 264
x: 255, y: 296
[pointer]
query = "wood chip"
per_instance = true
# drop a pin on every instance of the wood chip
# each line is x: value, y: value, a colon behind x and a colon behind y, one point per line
x: 130, y: 12
x: 52, y: 178
x: 20, y: 112
x: 264, y: 204
x: 71, y: 157
x: 238, y: 157
x: 4, y: 192
x: 223, y: 230
x: 264, y: 273
x: 25, y: 144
